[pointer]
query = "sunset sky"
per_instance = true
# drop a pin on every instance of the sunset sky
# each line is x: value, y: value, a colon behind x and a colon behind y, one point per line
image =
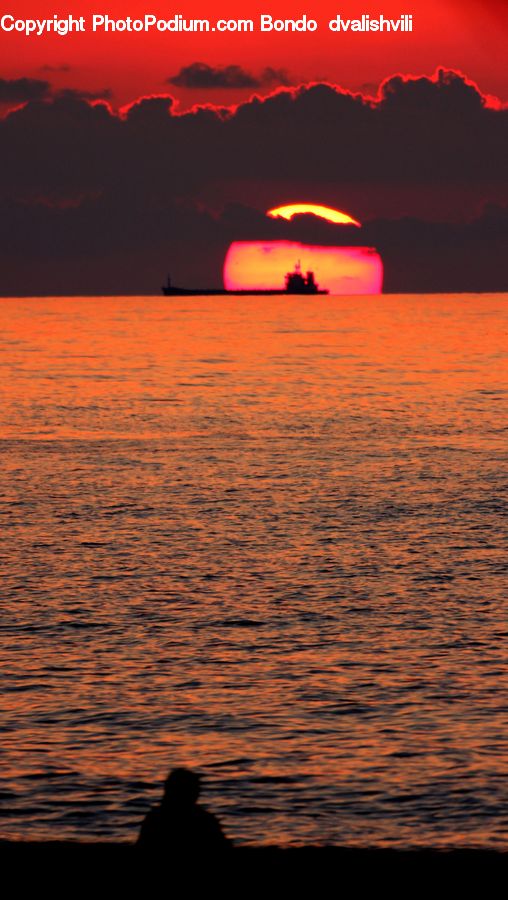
x: 468, y: 35
x: 114, y: 148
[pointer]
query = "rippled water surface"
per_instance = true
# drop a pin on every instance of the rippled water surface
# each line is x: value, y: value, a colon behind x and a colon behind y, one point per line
x: 266, y: 538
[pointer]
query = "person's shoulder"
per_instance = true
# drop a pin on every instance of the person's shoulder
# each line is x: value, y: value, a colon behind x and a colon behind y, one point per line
x: 211, y: 824
x: 205, y: 813
x: 150, y: 824
x: 153, y: 815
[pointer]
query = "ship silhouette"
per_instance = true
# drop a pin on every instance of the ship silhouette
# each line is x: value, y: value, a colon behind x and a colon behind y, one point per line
x: 295, y: 283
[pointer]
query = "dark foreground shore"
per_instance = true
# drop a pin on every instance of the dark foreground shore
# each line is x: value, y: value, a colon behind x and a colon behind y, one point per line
x: 106, y: 869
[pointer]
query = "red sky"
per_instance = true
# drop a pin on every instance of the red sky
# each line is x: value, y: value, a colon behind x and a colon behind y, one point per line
x: 468, y: 35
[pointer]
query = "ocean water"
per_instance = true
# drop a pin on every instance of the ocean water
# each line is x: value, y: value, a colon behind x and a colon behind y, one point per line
x: 265, y: 538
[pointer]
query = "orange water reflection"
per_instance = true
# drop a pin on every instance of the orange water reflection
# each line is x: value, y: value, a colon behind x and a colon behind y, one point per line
x: 263, y: 537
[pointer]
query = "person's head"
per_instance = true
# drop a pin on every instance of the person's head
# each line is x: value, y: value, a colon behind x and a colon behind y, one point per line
x: 182, y: 787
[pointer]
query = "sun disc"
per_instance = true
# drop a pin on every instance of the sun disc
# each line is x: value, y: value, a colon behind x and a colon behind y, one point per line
x: 262, y: 265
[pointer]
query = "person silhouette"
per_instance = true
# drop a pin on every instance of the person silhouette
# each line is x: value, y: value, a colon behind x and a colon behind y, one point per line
x: 179, y: 825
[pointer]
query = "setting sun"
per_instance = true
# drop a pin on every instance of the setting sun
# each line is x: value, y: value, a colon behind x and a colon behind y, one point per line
x: 323, y: 212
x: 262, y: 265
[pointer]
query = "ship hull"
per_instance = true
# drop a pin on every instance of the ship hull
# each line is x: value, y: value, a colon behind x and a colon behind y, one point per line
x: 211, y: 292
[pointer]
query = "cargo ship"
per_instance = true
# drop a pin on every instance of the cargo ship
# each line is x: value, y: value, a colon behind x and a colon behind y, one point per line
x: 296, y: 283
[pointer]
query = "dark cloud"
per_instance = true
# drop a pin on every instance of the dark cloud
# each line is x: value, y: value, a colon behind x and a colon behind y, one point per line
x: 449, y: 94
x: 98, y: 202
x: 271, y: 76
x: 201, y: 75
x: 368, y: 89
x: 64, y: 67
x: 22, y: 90
x: 78, y: 94
x: 447, y: 257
